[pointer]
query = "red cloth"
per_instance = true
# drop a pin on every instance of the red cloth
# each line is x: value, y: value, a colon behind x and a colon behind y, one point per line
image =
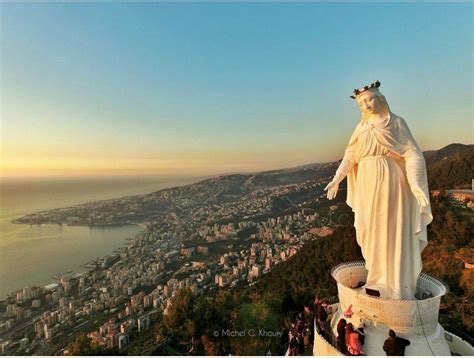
x: 353, y: 346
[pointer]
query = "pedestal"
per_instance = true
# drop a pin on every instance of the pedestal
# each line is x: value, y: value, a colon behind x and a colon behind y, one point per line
x: 415, y: 320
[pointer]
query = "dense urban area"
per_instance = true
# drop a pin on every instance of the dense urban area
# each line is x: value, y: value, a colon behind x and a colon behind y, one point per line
x: 218, y: 232
x: 215, y: 234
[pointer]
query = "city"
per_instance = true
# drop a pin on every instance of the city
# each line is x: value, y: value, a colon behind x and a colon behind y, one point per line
x: 211, y: 235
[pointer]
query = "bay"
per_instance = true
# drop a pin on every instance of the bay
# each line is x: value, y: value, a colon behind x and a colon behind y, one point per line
x: 33, y: 254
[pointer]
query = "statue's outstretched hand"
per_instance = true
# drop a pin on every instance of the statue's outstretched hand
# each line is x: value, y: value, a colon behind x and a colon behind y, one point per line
x: 332, y: 189
x: 419, y: 195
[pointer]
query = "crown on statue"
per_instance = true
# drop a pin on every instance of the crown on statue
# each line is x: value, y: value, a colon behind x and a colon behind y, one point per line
x: 372, y: 86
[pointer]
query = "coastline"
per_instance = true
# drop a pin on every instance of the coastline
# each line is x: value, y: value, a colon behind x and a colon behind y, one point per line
x: 31, y: 253
x: 125, y: 223
x: 74, y: 268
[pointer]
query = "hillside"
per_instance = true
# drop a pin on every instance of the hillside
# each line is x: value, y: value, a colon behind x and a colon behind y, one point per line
x: 450, y: 167
x: 278, y: 296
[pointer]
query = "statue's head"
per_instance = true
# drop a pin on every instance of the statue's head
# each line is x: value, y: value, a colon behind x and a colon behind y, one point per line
x: 370, y: 100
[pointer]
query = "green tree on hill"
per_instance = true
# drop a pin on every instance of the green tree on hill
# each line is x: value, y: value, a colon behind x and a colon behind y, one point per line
x: 257, y: 321
x: 83, y: 346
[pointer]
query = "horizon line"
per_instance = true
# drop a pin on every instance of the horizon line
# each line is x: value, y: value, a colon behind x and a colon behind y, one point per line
x: 178, y: 174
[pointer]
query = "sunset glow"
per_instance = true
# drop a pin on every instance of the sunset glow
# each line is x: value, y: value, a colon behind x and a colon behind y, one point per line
x: 159, y: 88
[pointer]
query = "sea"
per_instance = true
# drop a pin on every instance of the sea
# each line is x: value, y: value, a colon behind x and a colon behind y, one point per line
x: 32, y: 255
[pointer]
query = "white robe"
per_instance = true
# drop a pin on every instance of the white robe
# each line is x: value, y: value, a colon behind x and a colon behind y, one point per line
x: 390, y: 224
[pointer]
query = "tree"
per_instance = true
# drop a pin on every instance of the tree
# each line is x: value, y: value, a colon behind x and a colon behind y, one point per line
x: 83, y: 346
x: 180, y: 313
x: 259, y: 326
x: 467, y: 301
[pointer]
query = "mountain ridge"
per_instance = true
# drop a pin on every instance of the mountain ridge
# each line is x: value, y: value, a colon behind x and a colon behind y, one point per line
x: 450, y: 164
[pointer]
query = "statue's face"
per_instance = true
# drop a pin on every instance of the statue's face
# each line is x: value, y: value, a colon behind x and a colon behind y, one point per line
x: 370, y: 103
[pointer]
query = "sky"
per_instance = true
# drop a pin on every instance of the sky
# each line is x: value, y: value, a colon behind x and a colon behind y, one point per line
x: 91, y: 89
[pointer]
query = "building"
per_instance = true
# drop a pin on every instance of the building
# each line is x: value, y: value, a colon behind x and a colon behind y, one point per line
x: 461, y: 196
x: 123, y: 340
x: 268, y: 263
x: 143, y: 323
x: 256, y: 271
x: 4, y: 347
x: 203, y: 250
x: 187, y: 251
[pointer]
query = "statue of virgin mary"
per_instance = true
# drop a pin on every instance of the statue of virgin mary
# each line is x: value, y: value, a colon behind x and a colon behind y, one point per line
x: 388, y: 191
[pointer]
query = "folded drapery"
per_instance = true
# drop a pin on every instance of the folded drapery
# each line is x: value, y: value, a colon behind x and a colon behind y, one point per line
x: 388, y: 185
